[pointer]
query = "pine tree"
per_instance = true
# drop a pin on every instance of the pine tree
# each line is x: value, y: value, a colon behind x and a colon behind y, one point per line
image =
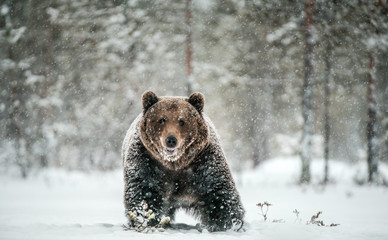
x: 13, y: 72
x: 373, y: 17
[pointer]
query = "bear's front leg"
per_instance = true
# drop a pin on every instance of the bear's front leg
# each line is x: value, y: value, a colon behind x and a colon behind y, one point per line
x: 143, y: 186
x: 219, y: 204
x: 220, y: 210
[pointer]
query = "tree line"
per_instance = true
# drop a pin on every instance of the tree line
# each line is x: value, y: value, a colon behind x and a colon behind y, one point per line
x: 280, y: 78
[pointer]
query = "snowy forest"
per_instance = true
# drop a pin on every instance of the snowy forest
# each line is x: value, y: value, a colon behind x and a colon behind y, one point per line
x: 297, y: 90
x: 281, y: 78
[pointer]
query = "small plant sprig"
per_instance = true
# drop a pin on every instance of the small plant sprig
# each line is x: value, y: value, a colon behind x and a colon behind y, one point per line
x: 142, y: 218
x: 314, y: 220
x: 278, y: 221
x: 296, y: 212
x: 264, y: 209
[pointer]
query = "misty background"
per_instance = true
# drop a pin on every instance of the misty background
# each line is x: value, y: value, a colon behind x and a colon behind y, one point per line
x: 72, y: 74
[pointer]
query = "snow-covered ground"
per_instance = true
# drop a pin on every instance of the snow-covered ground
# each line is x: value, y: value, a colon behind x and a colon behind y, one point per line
x: 56, y: 204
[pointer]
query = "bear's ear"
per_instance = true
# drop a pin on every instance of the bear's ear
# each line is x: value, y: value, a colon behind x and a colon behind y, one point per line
x: 149, y: 98
x: 197, y: 100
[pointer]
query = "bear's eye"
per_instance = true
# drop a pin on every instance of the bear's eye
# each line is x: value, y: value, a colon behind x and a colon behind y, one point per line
x: 181, y: 123
x: 162, y: 121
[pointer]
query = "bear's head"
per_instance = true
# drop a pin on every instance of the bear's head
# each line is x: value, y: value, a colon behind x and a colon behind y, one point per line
x: 173, y: 128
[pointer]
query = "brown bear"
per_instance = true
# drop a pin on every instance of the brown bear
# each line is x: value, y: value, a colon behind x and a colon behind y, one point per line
x: 173, y: 159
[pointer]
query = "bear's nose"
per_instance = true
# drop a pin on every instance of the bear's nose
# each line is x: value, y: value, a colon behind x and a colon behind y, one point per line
x: 171, y: 141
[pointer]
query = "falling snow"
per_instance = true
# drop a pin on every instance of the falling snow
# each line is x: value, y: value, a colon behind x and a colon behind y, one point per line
x: 71, y: 78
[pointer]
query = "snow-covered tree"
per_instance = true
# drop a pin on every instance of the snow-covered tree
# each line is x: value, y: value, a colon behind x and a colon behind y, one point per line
x: 73, y: 73
x: 16, y: 82
x: 331, y: 28
x: 374, y: 25
x: 307, y: 102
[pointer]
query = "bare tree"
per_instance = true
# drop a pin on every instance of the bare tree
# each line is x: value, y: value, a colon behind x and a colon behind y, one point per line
x: 385, y: 124
x: 372, y: 118
x: 372, y: 139
x: 327, y: 93
x: 189, y: 48
x: 307, y: 108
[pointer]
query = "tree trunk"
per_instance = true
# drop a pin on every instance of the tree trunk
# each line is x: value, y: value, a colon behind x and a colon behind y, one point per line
x: 267, y: 116
x: 16, y: 117
x: 327, y: 107
x: 259, y: 121
x: 189, y: 49
x: 372, y: 140
x: 385, y: 137
x: 371, y: 132
x: 253, y: 125
x: 385, y: 124
x: 307, y: 108
x: 41, y: 32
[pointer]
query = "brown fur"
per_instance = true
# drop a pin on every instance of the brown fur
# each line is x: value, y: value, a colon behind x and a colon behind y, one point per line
x: 194, y: 175
x: 192, y: 137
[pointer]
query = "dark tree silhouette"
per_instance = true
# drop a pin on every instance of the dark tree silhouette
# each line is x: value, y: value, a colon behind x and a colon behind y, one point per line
x: 327, y: 79
x: 371, y: 132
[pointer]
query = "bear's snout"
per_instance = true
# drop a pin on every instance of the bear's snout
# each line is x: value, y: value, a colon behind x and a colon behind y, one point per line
x: 171, y: 141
